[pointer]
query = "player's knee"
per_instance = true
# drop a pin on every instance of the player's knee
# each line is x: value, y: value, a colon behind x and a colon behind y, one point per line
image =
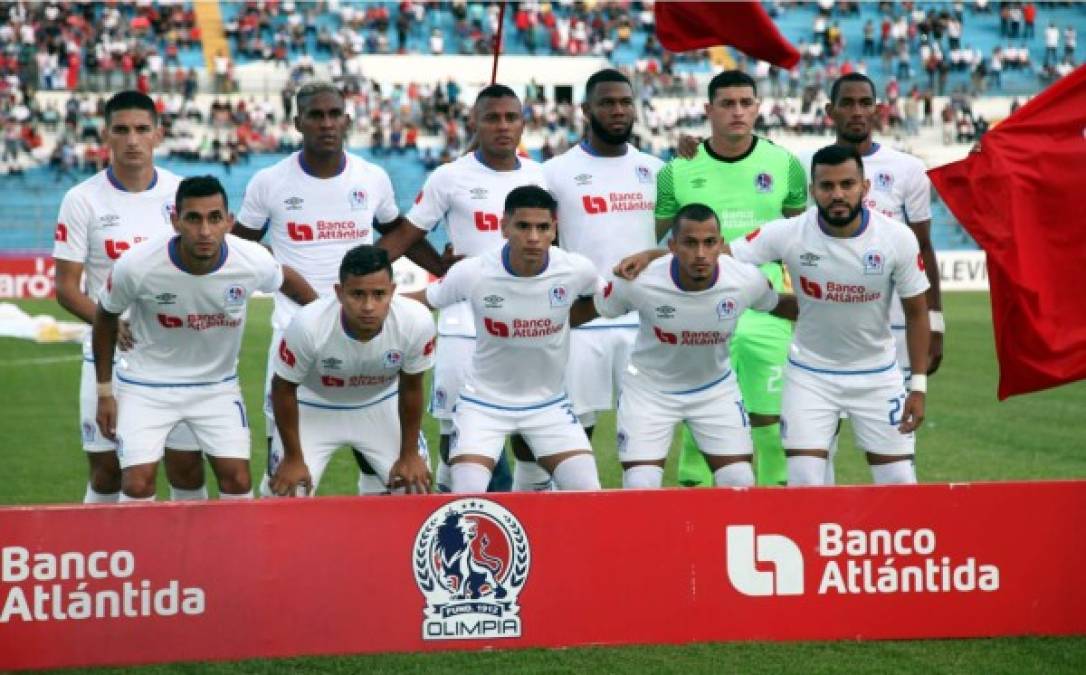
x: 530, y: 477
x: 186, y: 470
x: 235, y: 481
x: 736, y: 474
x: 577, y: 472
x: 806, y: 470
x: 643, y: 477
x: 901, y: 472
x: 139, y: 484
x: 105, y: 472
x: 469, y: 477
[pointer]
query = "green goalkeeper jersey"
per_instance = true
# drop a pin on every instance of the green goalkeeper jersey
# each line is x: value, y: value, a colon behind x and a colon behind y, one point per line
x: 745, y: 191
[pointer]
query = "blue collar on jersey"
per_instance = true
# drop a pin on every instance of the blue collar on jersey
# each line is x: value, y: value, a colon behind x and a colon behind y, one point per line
x: 865, y: 217
x: 589, y: 150
x: 675, y: 274
x: 509, y: 268
x: 309, y: 172
x: 478, y: 154
x: 874, y: 148
x: 115, y: 182
x: 175, y: 255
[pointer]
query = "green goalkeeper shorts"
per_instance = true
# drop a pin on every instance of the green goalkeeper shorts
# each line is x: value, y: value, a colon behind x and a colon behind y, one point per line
x: 759, y: 350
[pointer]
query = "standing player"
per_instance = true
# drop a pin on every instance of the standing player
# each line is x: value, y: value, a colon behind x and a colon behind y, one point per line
x: 747, y: 181
x: 187, y: 297
x: 523, y: 295
x: 606, y: 192
x: 349, y: 371
x: 99, y: 220
x: 848, y: 260
x: 316, y: 205
x: 680, y: 370
x: 468, y: 195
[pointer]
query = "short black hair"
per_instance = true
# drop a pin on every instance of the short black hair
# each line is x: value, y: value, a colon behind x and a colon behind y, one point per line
x: 731, y: 78
x: 834, y: 155
x: 495, y: 91
x: 130, y: 100
x: 530, y: 197
x: 362, y: 260
x: 692, y: 212
x: 310, y: 90
x: 601, y: 76
x: 835, y: 88
x: 199, y: 186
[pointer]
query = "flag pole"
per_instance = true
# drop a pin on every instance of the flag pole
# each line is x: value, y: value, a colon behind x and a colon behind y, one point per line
x: 498, y: 42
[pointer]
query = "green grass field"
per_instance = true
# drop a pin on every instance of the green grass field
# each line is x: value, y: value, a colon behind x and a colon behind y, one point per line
x: 968, y: 436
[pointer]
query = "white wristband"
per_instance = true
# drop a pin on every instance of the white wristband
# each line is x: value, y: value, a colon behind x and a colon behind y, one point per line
x: 105, y: 389
x: 935, y: 321
x: 919, y: 383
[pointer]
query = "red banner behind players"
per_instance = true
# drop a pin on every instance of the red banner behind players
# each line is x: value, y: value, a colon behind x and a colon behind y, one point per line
x: 123, y: 585
x: 29, y: 276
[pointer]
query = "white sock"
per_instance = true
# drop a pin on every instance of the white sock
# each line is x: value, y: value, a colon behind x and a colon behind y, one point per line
x: 736, y: 474
x: 830, y: 477
x: 901, y: 472
x: 445, y: 427
x: 530, y: 477
x: 226, y: 496
x: 182, y: 495
x: 94, y: 497
x: 469, y: 478
x: 577, y: 473
x: 805, y: 470
x: 444, y: 477
x: 265, y: 486
x: 642, y: 477
x: 370, y: 484
x: 125, y: 499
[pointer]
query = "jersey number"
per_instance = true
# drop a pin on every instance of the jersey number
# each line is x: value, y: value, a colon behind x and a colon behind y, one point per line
x: 895, y: 409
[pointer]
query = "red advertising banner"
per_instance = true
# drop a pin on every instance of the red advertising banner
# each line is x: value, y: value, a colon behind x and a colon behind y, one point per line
x: 27, y: 276
x: 170, y: 582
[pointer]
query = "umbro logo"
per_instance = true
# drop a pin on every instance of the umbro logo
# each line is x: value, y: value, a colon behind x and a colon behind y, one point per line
x: 665, y: 312
x: 109, y: 220
x: 331, y: 363
x: 698, y: 183
x: 583, y: 179
x: 293, y: 203
x: 809, y: 259
x: 166, y: 298
x: 493, y: 301
x: 478, y: 193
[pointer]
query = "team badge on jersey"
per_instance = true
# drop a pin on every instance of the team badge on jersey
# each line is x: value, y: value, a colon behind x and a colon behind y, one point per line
x: 357, y: 199
x: 471, y: 561
x: 884, y: 181
x: 874, y: 262
x: 393, y: 359
x: 725, y: 309
x: 234, y: 296
x: 644, y: 175
x: 559, y: 296
x: 763, y: 182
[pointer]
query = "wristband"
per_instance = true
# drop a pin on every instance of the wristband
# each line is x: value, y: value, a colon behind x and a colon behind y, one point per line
x: 105, y: 389
x: 935, y: 321
x: 919, y: 383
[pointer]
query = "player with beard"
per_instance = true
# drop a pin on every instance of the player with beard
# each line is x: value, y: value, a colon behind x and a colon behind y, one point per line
x: 847, y: 261
x: 606, y: 193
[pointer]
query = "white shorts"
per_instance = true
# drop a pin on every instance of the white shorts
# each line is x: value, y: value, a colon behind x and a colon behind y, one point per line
x: 714, y: 413
x: 597, y: 359
x: 812, y: 404
x: 451, y: 364
x: 273, y: 353
x: 549, y: 428
x: 179, y: 438
x: 372, y: 429
x: 902, y: 346
x: 215, y: 413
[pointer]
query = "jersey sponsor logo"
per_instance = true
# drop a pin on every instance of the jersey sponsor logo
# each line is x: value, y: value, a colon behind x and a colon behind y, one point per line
x: 285, y: 355
x: 166, y: 298
x: 393, y: 359
x: 559, y: 296
x: 763, y: 182
x: 809, y: 259
x: 594, y: 205
x: 873, y: 205
x: 583, y: 179
x: 750, y: 555
x: 811, y: 288
x: 522, y: 328
x: 496, y: 328
x: 208, y: 321
x: 726, y: 308
x: 293, y: 203
x: 478, y: 193
x: 665, y: 312
x: 608, y: 289
x: 357, y: 199
x: 833, y: 291
x: 884, y: 181
x: 170, y: 321
x: 493, y: 301
x: 429, y: 347
x: 61, y: 233
x: 874, y: 262
x: 920, y: 262
x: 332, y: 381
x: 486, y: 222
x: 115, y: 247
x: 109, y: 220
x: 703, y: 338
x: 471, y: 560
x: 665, y: 337
x: 299, y: 231
x: 234, y: 296
x: 644, y: 175
x: 331, y: 363
x: 750, y: 236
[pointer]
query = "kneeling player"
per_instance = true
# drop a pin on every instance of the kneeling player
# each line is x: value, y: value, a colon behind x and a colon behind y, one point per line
x: 689, y: 303
x: 187, y: 297
x: 524, y: 296
x: 349, y: 371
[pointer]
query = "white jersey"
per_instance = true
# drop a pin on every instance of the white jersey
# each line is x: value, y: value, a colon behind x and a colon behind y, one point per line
x: 335, y: 369
x: 187, y: 328
x: 843, y: 286
x: 682, y: 343
x: 99, y: 220
x: 900, y: 189
x: 312, y: 222
x: 522, y: 323
x: 605, y: 206
x: 469, y: 197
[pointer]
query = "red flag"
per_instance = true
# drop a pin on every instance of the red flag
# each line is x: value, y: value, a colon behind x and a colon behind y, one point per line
x: 682, y: 26
x: 1020, y: 199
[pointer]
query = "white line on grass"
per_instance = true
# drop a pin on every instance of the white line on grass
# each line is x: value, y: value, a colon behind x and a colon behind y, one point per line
x: 41, y: 360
